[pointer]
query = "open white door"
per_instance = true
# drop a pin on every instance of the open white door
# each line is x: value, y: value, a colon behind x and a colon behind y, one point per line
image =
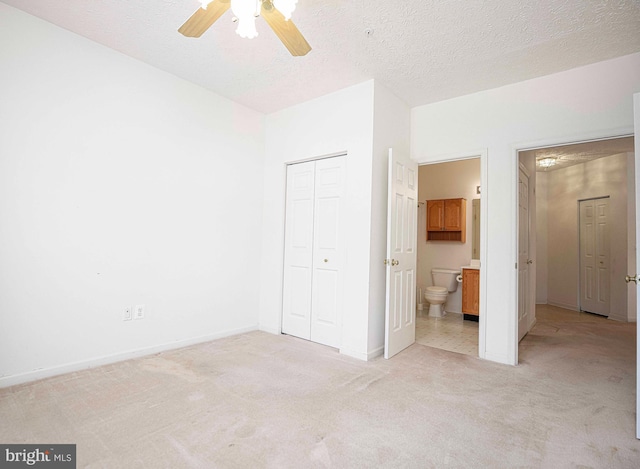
x: 634, y: 275
x: 402, y: 214
x: 524, y: 262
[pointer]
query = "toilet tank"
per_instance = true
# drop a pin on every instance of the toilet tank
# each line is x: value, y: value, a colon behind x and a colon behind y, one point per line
x: 443, y: 277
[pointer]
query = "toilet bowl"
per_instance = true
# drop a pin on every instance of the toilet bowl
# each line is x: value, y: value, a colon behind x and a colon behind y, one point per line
x: 444, y: 282
x: 436, y: 297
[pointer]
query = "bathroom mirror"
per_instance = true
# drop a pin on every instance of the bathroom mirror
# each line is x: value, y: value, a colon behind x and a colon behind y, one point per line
x: 475, y: 227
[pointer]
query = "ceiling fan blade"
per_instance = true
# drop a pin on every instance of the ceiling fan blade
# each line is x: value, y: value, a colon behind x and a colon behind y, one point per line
x: 285, y: 30
x: 202, y: 19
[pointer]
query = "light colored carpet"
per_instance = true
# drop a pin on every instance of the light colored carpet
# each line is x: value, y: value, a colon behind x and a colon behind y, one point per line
x: 260, y: 400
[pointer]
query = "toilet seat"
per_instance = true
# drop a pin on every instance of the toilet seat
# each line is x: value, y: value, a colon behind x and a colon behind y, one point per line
x: 437, y: 290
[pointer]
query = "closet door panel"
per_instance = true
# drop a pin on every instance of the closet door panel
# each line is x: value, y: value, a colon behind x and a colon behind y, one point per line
x: 325, y: 302
x: 328, y: 252
x: 298, y: 254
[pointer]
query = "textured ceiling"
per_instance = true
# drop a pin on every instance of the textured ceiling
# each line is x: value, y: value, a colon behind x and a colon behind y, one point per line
x: 569, y: 155
x: 422, y: 50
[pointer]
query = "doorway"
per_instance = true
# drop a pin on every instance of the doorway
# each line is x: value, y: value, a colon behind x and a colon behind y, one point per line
x: 564, y: 176
x: 448, y: 180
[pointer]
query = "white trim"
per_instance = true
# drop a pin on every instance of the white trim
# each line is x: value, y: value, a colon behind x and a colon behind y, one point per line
x: 378, y: 352
x: 13, y: 380
x: 359, y: 355
x: 271, y: 330
x: 483, y: 154
x: 498, y: 358
x: 560, y: 304
x: 512, y: 346
x: 589, y: 137
x: 317, y: 158
x: 618, y: 318
x: 375, y: 353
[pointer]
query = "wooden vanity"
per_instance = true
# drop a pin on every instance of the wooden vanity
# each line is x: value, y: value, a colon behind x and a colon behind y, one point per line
x: 471, y: 293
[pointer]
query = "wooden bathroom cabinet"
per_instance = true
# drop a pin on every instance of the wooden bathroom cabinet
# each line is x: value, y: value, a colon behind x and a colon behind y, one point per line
x: 471, y: 292
x: 447, y: 220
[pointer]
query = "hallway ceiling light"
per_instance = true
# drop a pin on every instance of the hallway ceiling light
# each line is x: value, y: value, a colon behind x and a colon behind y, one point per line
x: 564, y: 156
x: 547, y: 162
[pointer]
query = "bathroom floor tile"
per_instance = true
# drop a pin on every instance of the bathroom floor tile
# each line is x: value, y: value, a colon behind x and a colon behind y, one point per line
x: 450, y: 332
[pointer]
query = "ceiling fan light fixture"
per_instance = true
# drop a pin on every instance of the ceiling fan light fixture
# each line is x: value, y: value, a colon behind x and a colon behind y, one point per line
x: 246, y: 12
x: 286, y: 7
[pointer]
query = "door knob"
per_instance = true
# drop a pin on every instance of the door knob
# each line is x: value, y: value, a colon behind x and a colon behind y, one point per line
x: 394, y: 262
x: 326, y: 260
x: 630, y: 279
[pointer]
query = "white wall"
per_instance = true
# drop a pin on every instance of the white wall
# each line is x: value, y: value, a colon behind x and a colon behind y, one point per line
x: 336, y: 123
x: 391, y: 126
x: 595, y: 100
x: 597, y: 178
x: 364, y: 121
x: 446, y: 181
x: 119, y: 185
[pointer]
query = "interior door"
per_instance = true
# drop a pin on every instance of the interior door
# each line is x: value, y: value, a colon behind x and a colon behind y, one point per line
x: 328, y: 252
x: 523, y: 253
x: 402, y: 212
x: 594, y: 256
x: 636, y: 114
x: 298, y: 252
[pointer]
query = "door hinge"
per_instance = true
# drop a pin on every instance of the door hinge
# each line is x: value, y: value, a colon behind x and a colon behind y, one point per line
x: 516, y: 266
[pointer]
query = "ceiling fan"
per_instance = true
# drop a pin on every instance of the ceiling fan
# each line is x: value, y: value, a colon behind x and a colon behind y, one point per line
x: 277, y: 14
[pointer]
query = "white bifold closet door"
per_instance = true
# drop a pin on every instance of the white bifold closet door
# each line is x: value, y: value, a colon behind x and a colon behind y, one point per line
x: 314, y: 251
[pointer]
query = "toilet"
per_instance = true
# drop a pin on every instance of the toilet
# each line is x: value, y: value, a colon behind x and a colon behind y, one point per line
x: 444, y: 282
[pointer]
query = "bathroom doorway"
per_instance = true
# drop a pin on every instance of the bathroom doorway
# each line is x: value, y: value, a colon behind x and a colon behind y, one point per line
x: 458, y: 179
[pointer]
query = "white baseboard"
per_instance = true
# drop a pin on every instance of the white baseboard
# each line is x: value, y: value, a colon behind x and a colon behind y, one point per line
x: 375, y: 353
x: 270, y: 330
x: 614, y: 317
x: 352, y: 354
x: 563, y: 305
x: 43, y: 373
x: 498, y: 358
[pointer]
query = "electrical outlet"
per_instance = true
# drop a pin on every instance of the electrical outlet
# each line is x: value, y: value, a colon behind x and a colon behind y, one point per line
x: 127, y: 313
x: 138, y: 312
